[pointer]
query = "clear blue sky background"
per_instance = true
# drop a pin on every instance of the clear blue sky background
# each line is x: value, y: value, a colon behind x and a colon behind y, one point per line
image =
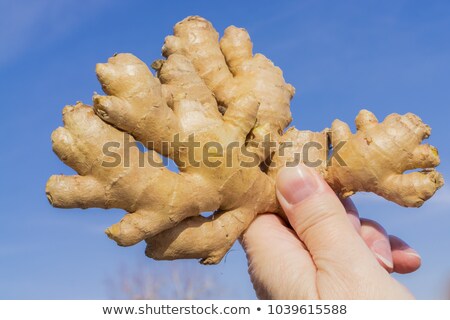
x: 388, y: 56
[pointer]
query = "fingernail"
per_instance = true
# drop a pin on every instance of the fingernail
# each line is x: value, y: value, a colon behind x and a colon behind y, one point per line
x: 382, y: 250
x: 297, y: 183
x: 413, y: 253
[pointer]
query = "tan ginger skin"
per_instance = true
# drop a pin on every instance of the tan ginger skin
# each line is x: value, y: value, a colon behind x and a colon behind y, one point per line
x: 222, y: 93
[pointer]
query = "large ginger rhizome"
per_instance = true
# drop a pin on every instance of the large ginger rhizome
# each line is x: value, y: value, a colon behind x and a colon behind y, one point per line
x: 220, y: 92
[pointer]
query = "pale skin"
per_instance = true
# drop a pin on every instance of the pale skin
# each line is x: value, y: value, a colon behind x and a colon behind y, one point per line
x: 324, y: 251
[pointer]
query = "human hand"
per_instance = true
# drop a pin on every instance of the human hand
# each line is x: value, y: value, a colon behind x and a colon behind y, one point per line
x: 328, y: 252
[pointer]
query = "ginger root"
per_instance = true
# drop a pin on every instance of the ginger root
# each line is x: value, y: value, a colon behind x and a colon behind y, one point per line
x: 207, y: 96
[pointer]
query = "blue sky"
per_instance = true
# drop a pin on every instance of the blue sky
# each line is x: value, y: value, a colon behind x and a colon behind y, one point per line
x: 387, y: 56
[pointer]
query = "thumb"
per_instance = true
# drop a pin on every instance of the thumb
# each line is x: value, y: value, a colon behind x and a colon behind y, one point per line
x: 319, y: 218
